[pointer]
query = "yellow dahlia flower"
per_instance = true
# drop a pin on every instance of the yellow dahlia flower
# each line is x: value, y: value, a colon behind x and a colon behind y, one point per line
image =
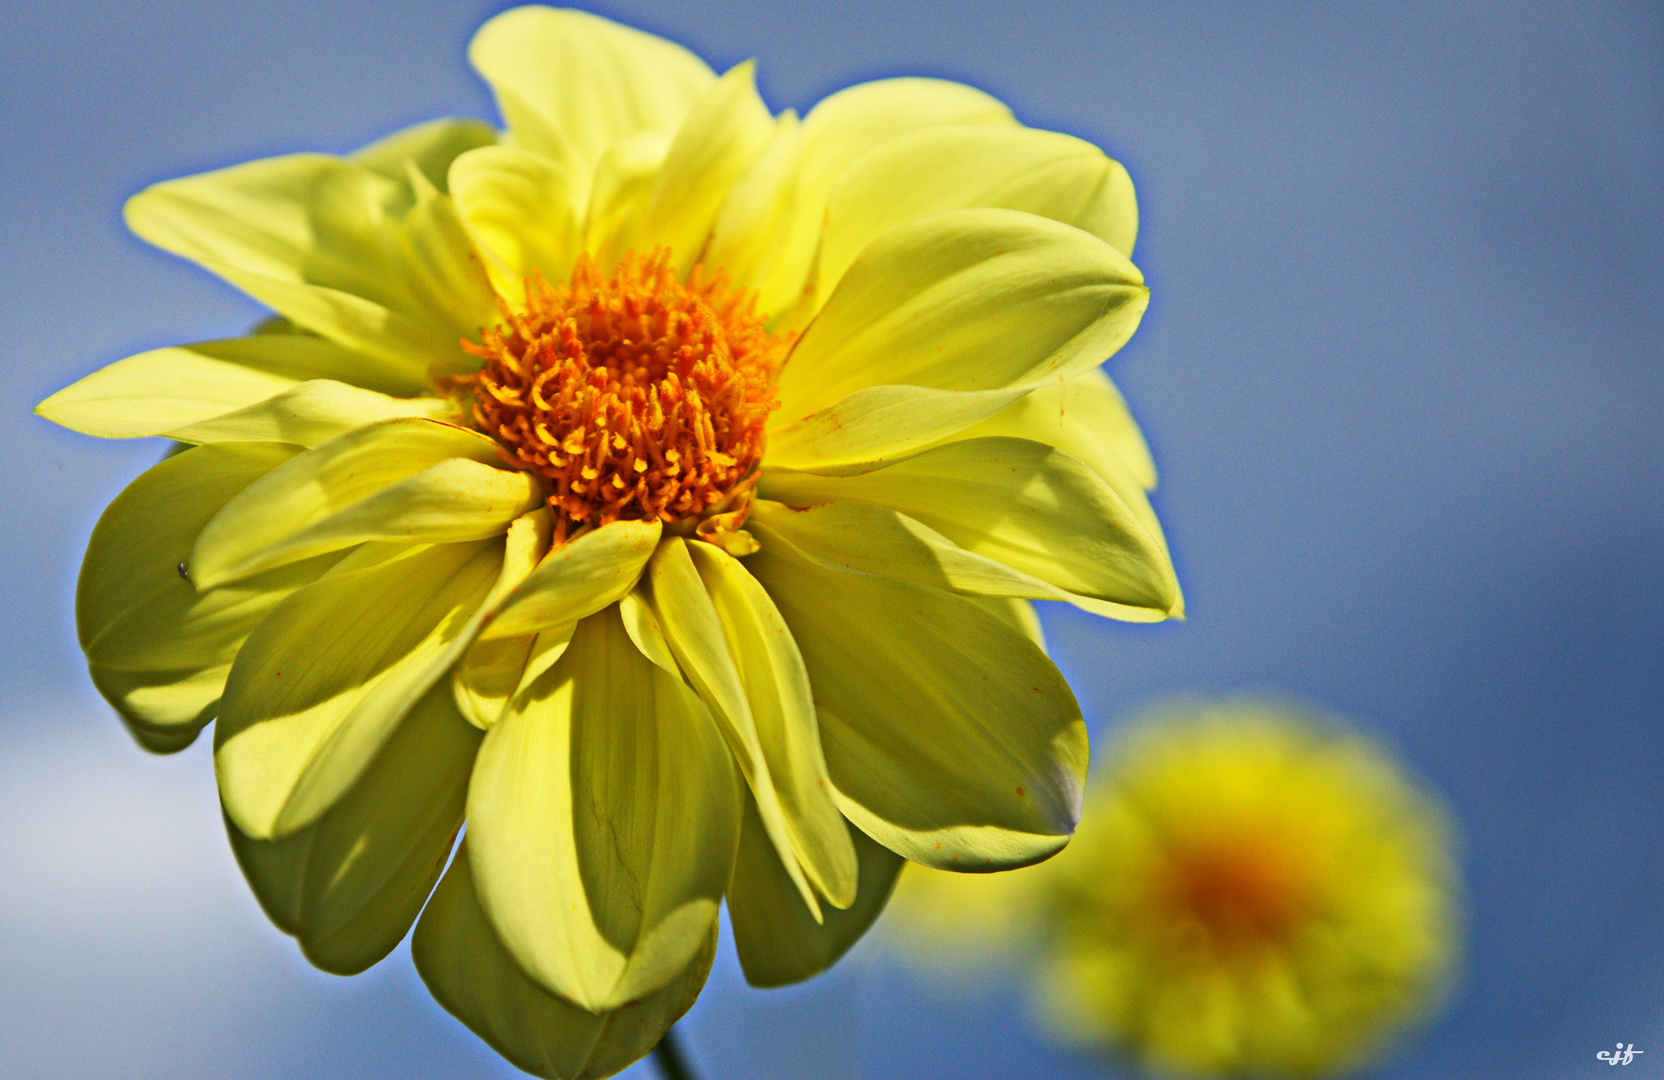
x: 1250, y: 894
x: 658, y: 486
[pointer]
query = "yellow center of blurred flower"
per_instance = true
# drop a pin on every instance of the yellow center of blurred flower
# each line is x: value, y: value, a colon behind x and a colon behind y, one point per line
x: 1246, y: 891
x: 636, y: 396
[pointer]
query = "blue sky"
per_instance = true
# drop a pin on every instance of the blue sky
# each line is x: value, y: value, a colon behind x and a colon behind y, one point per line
x: 1401, y: 374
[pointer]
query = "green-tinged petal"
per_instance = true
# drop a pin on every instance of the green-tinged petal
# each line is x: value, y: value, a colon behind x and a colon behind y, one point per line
x: 163, y: 390
x: 757, y: 239
x: 522, y: 211
x: 863, y: 538
x: 446, y: 271
x: 570, y: 84
x: 349, y: 886
x: 618, y: 201
x: 783, y: 710
x: 308, y: 414
x: 714, y: 146
x: 603, y: 815
x: 323, y: 681
x: 954, y: 166
x: 313, y: 237
x: 473, y: 976
x: 1015, y: 613
x: 880, y: 424
x: 1018, y: 502
x: 976, y: 299
x: 950, y: 737
x: 357, y: 476
x: 158, y: 649
x: 845, y: 126
x: 779, y: 942
x: 487, y: 677
x: 431, y: 146
x: 1084, y: 416
x: 687, y: 620
x: 577, y: 579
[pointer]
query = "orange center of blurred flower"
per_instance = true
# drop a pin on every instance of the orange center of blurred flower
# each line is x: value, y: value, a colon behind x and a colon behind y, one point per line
x: 636, y: 396
x: 1246, y: 891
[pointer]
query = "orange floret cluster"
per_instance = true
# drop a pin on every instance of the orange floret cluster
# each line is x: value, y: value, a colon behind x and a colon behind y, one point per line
x: 636, y: 396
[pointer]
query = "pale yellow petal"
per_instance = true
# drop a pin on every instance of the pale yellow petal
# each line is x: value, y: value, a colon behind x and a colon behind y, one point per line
x: 270, y: 522
x: 577, y: 579
x: 307, y: 414
x: 522, y: 211
x: 1018, y: 502
x: 714, y: 146
x: 950, y: 737
x: 158, y: 649
x: 323, y: 681
x: 783, y: 710
x: 313, y: 236
x: 777, y: 939
x: 350, y: 885
x: 954, y: 166
x: 757, y: 239
x: 977, y: 299
x: 447, y: 274
x: 605, y: 890
x: 624, y: 181
x: 430, y: 146
x: 163, y: 390
x: 487, y: 677
x: 1085, y: 416
x: 571, y: 84
x: 473, y: 976
x: 691, y: 628
x: 881, y: 424
x: 842, y: 128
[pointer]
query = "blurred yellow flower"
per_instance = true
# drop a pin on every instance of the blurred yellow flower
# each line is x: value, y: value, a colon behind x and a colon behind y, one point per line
x: 460, y: 533
x: 1250, y: 893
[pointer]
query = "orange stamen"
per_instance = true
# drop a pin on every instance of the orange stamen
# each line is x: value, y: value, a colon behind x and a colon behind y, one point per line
x: 635, y: 396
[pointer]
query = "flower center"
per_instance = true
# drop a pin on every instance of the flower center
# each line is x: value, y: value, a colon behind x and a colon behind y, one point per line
x: 636, y: 396
x: 1245, y: 891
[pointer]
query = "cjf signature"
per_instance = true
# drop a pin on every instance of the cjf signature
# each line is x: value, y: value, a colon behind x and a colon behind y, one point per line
x: 1623, y: 1055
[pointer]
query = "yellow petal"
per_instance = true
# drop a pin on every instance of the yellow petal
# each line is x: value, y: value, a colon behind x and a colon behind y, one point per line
x: 713, y: 147
x: 323, y: 681
x: 839, y: 131
x: 1022, y: 503
x: 1084, y: 416
x: 954, y: 166
x: 446, y: 272
x: 950, y: 737
x: 308, y: 414
x: 395, y: 479
x: 349, y: 885
x: 977, y: 299
x: 862, y: 538
x: 778, y: 941
x: 757, y: 237
x: 430, y: 146
x: 624, y: 182
x: 164, y: 390
x: 522, y: 211
x: 487, y: 677
x: 783, y: 710
x: 881, y: 424
x: 691, y: 628
x: 577, y: 579
x: 158, y: 649
x: 570, y: 84
x: 473, y: 976
x: 312, y: 236
x: 603, y: 890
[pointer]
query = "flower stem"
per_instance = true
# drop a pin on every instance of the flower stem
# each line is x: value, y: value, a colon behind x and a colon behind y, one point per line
x: 668, y: 1053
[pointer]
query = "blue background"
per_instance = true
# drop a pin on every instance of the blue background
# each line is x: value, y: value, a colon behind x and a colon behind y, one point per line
x: 1401, y: 373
